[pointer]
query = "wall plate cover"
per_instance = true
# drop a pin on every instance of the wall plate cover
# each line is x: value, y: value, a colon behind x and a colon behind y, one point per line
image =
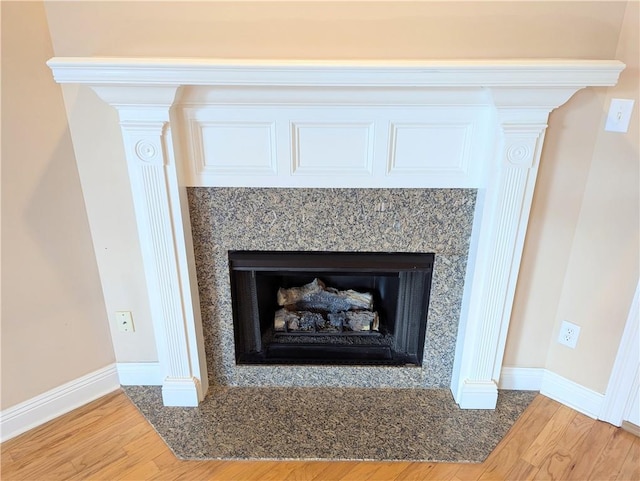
x: 619, y: 115
x: 568, y: 335
x: 124, y: 319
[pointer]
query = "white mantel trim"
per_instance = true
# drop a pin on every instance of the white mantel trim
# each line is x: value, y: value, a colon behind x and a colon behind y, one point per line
x: 521, y: 92
x: 317, y: 73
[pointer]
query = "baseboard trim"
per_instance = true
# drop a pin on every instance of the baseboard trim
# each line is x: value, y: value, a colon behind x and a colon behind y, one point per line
x: 140, y: 373
x: 554, y: 386
x: 521, y: 378
x: 631, y: 428
x: 56, y: 402
x: 572, y: 394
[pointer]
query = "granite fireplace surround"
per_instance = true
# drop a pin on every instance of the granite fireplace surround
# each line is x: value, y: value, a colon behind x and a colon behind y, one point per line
x: 356, y: 220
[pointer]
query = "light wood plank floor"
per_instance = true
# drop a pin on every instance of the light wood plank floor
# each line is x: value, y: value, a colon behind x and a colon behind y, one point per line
x: 109, y: 439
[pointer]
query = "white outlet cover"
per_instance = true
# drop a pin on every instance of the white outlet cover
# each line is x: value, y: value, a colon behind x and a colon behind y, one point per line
x: 568, y: 335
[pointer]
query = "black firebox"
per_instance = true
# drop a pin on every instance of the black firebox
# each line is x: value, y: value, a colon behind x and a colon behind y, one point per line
x: 374, y: 311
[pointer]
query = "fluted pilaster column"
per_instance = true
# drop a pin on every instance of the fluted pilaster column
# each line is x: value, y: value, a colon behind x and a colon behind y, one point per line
x: 145, y: 124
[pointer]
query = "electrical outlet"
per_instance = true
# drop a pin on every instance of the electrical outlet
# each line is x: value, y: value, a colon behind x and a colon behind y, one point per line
x: 124, y: 321
x: 568, y: 335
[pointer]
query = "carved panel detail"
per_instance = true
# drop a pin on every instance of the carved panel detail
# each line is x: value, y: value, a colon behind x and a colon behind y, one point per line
x: 520, y: 144
x: 146, y: 150
x: 427, y: 148
x: 519, y: 153
x: 235, y: 148
x: 330, y: 148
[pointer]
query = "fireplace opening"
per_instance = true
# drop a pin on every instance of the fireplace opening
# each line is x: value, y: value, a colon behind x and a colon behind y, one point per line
x: 330, y: 307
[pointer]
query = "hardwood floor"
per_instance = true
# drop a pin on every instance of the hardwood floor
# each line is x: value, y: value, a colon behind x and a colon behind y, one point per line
x: 109, y: 439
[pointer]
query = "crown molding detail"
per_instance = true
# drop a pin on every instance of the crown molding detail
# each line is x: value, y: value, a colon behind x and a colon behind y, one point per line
x: 393, y: 73
x: 257, y: 123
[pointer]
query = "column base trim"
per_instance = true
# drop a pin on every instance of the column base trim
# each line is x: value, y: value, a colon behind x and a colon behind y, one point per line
x: 478, y: 395
x: 184, y: 392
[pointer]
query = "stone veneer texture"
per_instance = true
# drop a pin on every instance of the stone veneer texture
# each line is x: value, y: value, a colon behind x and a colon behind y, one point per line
x: 330, y: 424
x: 355, y: 220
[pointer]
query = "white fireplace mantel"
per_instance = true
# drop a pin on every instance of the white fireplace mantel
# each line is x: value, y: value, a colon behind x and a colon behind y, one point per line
x: 201, y: 122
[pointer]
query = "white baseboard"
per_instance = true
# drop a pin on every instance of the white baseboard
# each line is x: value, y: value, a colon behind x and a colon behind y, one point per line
x: 521, y: 378
x: 572, y: 394
x: 556, y: 387
x: 139, y: 373
x: 56, y: 402
x: 631, y: 428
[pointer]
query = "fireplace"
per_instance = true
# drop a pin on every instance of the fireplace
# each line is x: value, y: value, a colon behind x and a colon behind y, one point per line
x: 202, y: 123
x: 265, y: 220
x: 330, y: 307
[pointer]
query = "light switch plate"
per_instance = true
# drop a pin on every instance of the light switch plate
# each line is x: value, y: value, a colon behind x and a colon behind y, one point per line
x: 619, y: 115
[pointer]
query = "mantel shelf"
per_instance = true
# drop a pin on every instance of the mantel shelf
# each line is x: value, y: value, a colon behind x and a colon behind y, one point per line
x: 415, y: 73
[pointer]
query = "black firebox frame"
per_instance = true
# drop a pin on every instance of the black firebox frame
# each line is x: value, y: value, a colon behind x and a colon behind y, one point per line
x: 400, y: 282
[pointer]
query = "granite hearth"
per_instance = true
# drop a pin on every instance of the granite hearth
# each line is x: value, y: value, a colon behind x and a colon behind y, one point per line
x: 330, y: 424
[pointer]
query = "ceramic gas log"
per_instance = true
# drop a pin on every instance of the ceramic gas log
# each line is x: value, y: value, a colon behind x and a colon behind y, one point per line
x: 327, y: 323
x: 316, y: 308
x: 316, y: 295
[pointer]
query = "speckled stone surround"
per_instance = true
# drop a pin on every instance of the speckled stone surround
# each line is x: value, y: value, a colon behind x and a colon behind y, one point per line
x: 330, y: 423
x: 355, y: 220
